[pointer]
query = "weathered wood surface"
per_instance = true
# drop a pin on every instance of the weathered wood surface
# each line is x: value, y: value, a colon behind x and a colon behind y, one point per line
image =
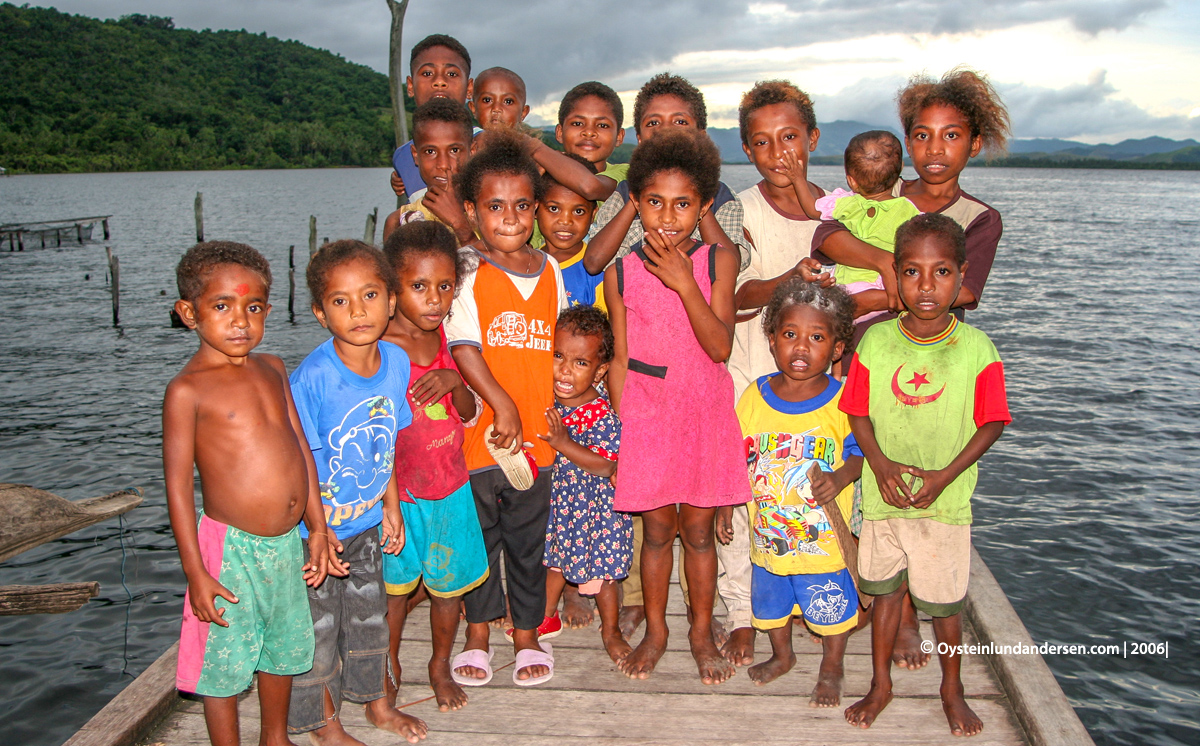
x: 136, y: 710
x: 1037, y: 699
x: 57, y: 598
x: 590, y: 700
x: 29, y: 516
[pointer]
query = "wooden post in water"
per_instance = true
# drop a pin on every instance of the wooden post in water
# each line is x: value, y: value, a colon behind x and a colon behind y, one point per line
x: 58, y: 236
x: 199, y: 217
x: 108, y: 268
x: 369, y: 233
x: 79, y: 232
x: 292, y: 282
x: 312, y: 234
x: 105, y: 224
x: 116, y: 290
x: 20, y: 241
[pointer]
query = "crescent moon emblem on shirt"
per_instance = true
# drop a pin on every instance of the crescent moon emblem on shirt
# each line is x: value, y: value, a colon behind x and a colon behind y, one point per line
x: 909, y: 399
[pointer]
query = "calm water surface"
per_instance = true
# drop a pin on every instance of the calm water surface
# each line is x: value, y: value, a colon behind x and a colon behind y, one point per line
x: 1086, y: 509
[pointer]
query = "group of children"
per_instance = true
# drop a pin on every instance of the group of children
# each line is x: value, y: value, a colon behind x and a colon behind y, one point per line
x: 573, y: 363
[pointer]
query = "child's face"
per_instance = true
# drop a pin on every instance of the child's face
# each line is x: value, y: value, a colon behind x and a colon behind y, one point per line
x: 503, y: 212
x: 231, y: 312
x: 670, y: 203
x: 803, y: 343
x: 577, y: 366
x: 439, y: 72
x: 357, y: 304
x: 426, y: 290
x: 499, y: 101
x: 940, y: 143
x: 774, y: 129
x: 929, y: 278
x: 440, y: 149
x: 564, y: 218
x: 590, y: 130
x: 666, y: 110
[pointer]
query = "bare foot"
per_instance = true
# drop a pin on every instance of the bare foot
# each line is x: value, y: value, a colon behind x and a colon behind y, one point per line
x: 828, y: 691
x: 863, y: 712
x: 450, y: 696
x: 739, y: 649
x: 630, y: 618
x: 714, y: 669
x: 615, y: 643
x: 963, y: 720
x: 577, y: 611
x: 333, y: 735
x: 907, y: 653
x: 639, y: 663
x: 771, y: 669
x: 388, y: 718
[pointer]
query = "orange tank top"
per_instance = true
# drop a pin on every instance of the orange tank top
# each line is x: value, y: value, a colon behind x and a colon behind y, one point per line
x: 518, y: 346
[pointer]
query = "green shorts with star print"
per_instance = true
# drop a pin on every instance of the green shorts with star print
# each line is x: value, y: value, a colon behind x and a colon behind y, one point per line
x: 270, y: 627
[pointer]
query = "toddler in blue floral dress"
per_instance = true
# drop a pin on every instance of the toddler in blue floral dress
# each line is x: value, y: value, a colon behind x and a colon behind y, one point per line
x: 587, y: 542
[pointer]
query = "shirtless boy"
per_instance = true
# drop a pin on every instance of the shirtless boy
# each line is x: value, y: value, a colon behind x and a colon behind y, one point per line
x: 230, y: 412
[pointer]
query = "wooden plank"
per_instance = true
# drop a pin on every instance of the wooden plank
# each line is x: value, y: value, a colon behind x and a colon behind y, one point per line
x: 1037, y: 699
x: 29, y: 516
x: 135, y: 711
x: 57, y: 598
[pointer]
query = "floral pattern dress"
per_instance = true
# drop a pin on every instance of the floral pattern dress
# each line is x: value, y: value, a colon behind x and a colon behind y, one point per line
x: 586, y: 539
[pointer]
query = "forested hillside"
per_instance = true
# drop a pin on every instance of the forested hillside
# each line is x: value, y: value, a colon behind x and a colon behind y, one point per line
x: 80, y: 94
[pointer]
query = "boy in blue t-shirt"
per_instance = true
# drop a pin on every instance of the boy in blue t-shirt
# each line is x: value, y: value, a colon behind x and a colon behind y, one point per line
x: 564, y: 217
x: 351, y: 395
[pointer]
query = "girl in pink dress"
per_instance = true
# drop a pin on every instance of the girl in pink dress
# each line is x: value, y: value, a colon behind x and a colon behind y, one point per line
x: 672, y: 311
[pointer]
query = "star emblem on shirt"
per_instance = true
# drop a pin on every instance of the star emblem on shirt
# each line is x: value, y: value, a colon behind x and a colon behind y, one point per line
x: 917, y: 381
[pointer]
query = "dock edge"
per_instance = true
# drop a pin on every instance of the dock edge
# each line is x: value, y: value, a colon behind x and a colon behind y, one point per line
x: 1038, y: 701
x: 137, y: 710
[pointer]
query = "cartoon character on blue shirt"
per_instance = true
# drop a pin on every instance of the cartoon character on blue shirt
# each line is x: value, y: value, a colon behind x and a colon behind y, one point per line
x: 362, y: 453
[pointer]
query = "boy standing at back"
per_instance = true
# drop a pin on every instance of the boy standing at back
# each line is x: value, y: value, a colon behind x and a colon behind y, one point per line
x: 230, y: 413
x: 590, y: 119
x: 926, y: 400
x: 441, y: 143
x: 439, y: 67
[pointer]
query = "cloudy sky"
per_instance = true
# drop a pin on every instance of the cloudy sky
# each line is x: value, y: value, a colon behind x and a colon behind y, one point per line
x: 1091, y: 70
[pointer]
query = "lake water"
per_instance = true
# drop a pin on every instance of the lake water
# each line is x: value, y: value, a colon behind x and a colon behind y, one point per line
x: 1086, y: 508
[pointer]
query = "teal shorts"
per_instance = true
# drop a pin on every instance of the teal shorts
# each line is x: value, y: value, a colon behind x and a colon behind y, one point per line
x: 270, y: 627
x: 443, y: 545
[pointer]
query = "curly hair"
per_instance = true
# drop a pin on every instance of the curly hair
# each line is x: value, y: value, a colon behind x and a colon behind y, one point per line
x: 438, y: 109
x: 666, y: 84
x: 932, y: 225
x: 833, y: 301
x: 965, y: 90
x: 336, y: 253
x: 769, y: 92
x: 589, y: 321
x: 874, y: 160
x: 198, y: 262
x: 500, y: 152
x: 549, y: 182
x: 440, y: 40
x: 690, y: 152
x: 424, y: 238
x: 592, y: 88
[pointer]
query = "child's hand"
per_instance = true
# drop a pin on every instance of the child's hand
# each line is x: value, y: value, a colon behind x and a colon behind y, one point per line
x: 203, y: 592
x: 893, y: 292
x: 667, y: 262
x: 889, y: 475
x: 795, y: 169
x: 933, y: 482
x: 725, y: 524
x: 337, y: 567
x: 398, y: 185
x: 432, y: 386
x: 445, y: 206
x: 393, y: 530
x: 810, y: 270
x: 317, y: 567
x: 558, y: 436
x: 824, y: 485
x: 507, y: 429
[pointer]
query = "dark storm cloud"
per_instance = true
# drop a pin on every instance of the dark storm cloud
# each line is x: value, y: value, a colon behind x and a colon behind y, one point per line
x: 554, y: 44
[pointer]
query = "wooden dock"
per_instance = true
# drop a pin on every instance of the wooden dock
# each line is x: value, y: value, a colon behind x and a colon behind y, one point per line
x: 80, y: 229
x: 590, y: 700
